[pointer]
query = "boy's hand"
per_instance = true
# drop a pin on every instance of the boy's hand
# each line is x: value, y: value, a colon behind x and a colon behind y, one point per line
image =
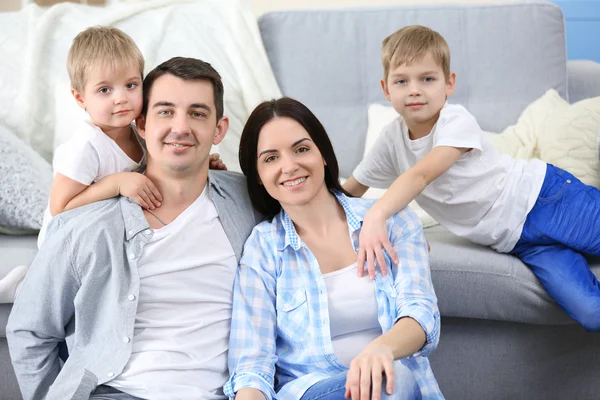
x: 215, y: 162
x: 366, y: 373
x: 140, y: 189
x: 373, y: 239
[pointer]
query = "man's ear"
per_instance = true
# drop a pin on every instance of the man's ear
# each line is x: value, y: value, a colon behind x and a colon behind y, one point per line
x: 386, y: 92
x: 140, y: 124
x: 221, y: 130
x: 78, y: 98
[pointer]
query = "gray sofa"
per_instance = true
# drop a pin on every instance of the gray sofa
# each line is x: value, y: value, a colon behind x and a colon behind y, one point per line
x: 502, y: 336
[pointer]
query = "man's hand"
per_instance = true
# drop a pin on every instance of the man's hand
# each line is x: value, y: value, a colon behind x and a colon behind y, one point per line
x: 373, y: 239
x: 366, y: 373
x: 216, y: 162
x: 140, y: 189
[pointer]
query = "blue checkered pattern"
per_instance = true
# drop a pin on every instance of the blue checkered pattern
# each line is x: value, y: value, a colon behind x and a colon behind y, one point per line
x: 280, y: 339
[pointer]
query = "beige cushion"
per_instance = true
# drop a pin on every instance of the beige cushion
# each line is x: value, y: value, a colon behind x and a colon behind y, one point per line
x: 569, y: 140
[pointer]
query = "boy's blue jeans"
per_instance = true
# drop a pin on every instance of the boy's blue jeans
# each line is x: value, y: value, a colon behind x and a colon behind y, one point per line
x: 563, y: 224
x: 405, y: 386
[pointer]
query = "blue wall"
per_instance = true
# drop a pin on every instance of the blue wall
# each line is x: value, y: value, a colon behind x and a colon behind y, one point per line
x: 582, y: 18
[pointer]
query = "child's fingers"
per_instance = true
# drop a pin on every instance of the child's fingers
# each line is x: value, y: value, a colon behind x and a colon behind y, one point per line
x: 371, y: 263
x: 390, y: 250
x: 151, y: 197
x: 361, y: 261
x: 381, y: 260
x: 154, y: 190
x: 141, y: 202
x: 144, y: 197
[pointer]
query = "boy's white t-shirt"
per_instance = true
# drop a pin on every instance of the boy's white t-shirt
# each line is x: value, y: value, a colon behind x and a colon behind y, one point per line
x: 87, y: 157
x: 181, y: 331
x: 485, y: 196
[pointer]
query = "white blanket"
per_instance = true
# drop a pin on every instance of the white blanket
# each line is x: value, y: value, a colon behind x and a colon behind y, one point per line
x: 35, y: 102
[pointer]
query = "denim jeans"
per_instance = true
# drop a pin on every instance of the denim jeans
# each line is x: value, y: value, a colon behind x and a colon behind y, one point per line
x: 104, y: 392
x: 405, y: 386
x: 563, y: 225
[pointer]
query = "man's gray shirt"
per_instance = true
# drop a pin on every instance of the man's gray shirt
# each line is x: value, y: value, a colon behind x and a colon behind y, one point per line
x: 83, y: 286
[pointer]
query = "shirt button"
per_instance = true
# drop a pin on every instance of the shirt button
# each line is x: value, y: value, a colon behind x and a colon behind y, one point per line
x: 568, y: 181
x: 147, y: 231
x: 111, y: 374
x: 130, y: 232
x: 131, y: 297
x: 131, y: 256
x: 126, y: 339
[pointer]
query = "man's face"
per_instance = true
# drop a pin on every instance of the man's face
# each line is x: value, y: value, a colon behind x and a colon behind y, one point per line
x: 181, y: 126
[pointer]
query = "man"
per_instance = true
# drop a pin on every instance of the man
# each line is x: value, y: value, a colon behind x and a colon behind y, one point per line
x: 143, y: 298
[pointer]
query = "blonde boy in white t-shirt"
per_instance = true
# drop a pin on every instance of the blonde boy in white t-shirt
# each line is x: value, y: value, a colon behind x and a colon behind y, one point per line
x: 437, y: 154
x: 106, y: 69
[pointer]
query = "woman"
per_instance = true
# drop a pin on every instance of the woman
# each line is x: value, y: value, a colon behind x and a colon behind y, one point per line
x: 305, y: 326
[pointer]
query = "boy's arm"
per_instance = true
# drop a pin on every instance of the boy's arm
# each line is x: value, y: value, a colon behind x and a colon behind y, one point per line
x: 67, y: 193
x: 373, y: 236
x: 354, y: 187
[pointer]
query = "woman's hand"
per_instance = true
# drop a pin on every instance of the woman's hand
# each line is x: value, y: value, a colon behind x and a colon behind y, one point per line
x: 366, y: 372
x: 373, y: 239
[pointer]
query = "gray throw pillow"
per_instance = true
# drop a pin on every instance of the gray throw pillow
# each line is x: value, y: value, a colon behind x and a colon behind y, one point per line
x: 25, y: 181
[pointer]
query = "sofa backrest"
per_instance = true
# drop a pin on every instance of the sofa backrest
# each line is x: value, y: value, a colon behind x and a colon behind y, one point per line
x: 505, y: 56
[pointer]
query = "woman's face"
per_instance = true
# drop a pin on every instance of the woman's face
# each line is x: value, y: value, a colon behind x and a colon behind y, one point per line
x: 289, y: 164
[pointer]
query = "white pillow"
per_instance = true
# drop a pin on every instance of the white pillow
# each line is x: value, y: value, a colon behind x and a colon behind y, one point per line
x: 379, y: 116
x: 67, y: 114
x: 569, y: 140
x: 521, y: 139
x: 25, y: 179
x: 558, y: 133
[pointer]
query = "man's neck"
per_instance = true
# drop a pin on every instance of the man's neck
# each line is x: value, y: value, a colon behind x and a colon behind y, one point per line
x: 178, y: 193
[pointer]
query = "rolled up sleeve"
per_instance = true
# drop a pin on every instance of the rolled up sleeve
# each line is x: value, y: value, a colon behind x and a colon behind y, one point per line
x: 416, y: 297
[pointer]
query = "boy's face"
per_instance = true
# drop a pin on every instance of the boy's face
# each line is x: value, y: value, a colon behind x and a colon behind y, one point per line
x: 111, y: 96
x: 418, y: 91
x: 180, y: 125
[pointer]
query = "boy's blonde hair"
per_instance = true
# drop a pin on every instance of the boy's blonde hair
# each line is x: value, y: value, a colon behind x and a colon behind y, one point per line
x: 101, y: 47
x: 412, y: 43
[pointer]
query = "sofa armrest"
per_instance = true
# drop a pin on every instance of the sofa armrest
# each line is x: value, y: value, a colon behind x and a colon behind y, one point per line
x: 584, y: 79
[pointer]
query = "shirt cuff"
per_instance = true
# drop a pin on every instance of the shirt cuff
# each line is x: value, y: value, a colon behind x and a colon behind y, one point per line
x: 430, y: 322
x: 248, y: 380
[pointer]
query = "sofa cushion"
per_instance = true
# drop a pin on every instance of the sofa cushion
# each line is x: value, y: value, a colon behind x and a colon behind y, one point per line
x: 15, y: 250
x: 25, y: 179
x: 472, y: 281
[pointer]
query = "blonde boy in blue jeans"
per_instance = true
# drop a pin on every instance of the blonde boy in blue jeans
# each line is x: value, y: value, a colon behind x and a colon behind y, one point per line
x: 436, y: 153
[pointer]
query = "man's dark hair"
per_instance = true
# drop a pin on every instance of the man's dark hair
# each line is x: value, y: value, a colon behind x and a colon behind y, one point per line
x: 187, y: 69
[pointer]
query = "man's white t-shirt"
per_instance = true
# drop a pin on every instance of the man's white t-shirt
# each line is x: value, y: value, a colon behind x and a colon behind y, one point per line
x: 485, y: 196
x: 87, y: 157
x: 181, y: 331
